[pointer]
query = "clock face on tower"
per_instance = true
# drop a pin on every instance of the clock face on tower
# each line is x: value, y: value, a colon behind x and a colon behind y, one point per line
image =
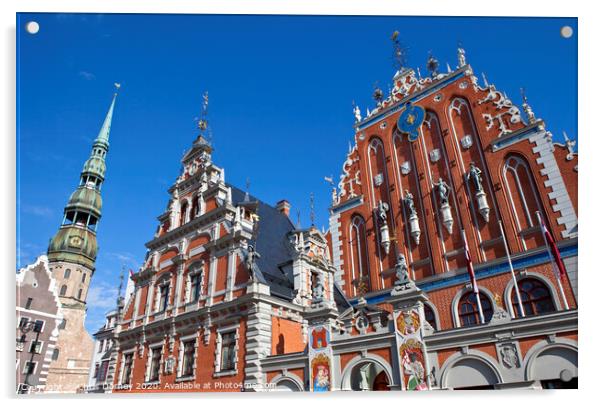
x: 75, y: 241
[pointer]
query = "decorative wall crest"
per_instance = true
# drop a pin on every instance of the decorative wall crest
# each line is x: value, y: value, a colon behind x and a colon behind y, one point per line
x: 405, y: 167
x: 466, y: 141
x: 435, y: 155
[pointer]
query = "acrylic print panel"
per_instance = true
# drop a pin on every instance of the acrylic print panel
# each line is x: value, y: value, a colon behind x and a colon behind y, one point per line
x: 212, y: 203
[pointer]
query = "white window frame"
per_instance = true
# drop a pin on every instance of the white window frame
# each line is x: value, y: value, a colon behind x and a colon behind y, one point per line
x: 27, y: 363
x: 149, y: 360
x: 218, y: 350
x: 41, y: 346
x: 180, y: 371
x: 122, y: 367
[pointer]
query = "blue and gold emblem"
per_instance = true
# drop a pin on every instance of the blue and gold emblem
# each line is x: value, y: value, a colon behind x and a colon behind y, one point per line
x: 410, y: 120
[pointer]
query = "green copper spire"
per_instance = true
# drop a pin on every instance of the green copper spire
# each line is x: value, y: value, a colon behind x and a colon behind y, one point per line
x: 105, y: 130
x: 75, y: 242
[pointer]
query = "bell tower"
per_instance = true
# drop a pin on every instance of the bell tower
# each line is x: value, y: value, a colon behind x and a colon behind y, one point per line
x: 71, y: 257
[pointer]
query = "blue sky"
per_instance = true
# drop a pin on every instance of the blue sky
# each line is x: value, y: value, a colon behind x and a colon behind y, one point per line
x: 281, y: 91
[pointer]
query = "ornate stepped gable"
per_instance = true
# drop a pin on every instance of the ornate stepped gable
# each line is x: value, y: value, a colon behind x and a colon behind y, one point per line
x: 219, y: 263
x: 462, y: 150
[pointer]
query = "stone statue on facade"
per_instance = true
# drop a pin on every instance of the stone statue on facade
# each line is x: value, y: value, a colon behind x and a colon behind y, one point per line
x: 318, y: 291
x: 252, y: 256
x: 382, y: 209
x: 443, y: 191
x: 474, y: 174
x: 408, y: 200
x: 357, y: 114
x: 402, y: 277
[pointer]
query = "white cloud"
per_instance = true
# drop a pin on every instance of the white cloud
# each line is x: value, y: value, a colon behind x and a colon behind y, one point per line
x: 123, y: 257
x: 89, y: 76
x: 102, y: 296
x: 37, y: 210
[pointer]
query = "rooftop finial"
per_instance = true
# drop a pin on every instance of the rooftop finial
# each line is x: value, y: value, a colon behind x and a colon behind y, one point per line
x: 202, y: 120
x: 399, y: 52
x: 298, y: 218
x: 247, y: 185
x: 485, y: 80
x: 356, y: 112
x: 461, y: 55
x: 432, y: 64
x: 527, y: 108
x: 378, y: 94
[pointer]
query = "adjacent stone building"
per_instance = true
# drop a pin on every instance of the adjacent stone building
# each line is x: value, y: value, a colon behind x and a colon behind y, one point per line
x: 39, y: 317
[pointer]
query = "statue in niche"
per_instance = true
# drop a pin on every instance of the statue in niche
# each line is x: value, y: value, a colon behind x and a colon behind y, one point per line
x: 408, y: 200
x: 443, y: 191
x: 474, y: 174
x: 318, y: 291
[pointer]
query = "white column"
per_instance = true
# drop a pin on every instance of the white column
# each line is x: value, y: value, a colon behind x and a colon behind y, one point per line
x: 231, y: 273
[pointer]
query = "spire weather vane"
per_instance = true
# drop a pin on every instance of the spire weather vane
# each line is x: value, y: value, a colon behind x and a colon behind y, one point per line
x: 400, y: 53
x: 202, y: 119
x: 312, y: 213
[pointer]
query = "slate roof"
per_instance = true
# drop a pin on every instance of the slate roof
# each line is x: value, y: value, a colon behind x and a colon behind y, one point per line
x: 273, y: 247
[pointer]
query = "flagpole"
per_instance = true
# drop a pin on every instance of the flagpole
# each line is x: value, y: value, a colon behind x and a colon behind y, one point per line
x: 555, y: 268
x: 473, y: 278
x: 516, y: 290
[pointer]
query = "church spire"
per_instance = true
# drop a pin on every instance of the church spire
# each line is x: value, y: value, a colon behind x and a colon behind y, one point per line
x: 75, y: 242
x: 105, y: 130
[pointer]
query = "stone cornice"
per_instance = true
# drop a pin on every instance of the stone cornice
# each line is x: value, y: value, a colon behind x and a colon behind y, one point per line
x: 195, y: 224
x: 547, y: 324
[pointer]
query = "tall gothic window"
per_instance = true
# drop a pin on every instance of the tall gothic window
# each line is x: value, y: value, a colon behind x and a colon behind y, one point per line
x: 63, y: 291
x: 163, y: 297
x: 359, y: 250
x: 468, y: 309
x: 183, y: 210
x: 535, y: 297
x: 522, y: 191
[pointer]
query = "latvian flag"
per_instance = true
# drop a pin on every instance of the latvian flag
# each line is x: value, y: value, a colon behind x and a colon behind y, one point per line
x: 469, y: 268
x: 555, y: 252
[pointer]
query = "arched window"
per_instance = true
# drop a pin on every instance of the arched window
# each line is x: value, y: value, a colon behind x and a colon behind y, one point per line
x: 195, y: 207
x: 468, y: 309
x: 359, y: 251
x: 79, y: 294
x: 429, y: 316
x: 194, y: 284
x: 183, y: 210
x: 535, y: 296
x: 522, y: 192
x: 63, y: 291
x: 377, y: 163
x: 67, y: 273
